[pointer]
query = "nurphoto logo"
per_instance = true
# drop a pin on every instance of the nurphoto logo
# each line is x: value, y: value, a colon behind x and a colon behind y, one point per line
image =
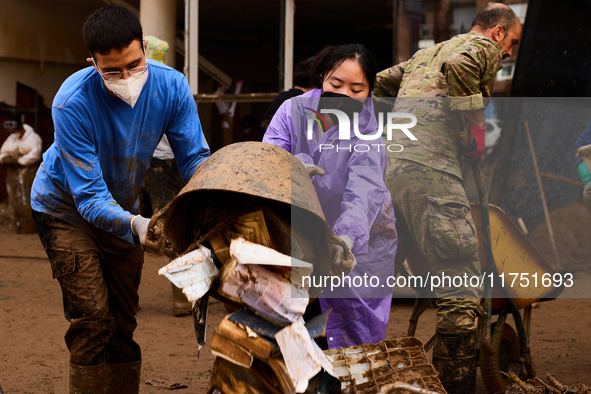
x: 344, y: 124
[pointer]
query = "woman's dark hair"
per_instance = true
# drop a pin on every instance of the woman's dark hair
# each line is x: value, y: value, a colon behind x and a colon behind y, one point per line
x: 331, y: 57
x: 111, y: 27
x: 301, y: 73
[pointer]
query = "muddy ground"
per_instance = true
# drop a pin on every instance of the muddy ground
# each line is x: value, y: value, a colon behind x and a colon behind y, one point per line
x: 34, y: 359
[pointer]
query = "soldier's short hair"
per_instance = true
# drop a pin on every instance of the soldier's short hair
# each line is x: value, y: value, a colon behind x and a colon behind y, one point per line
x: 495, y: 14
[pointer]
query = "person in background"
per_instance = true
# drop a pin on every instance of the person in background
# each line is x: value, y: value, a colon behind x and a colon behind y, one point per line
x: 20, y: 153
x: 584, y: 139
x: 163, y: 179
x: 108, y: 120
x: 446, y: 86
x: 301, y: 84
x: 350, y: 186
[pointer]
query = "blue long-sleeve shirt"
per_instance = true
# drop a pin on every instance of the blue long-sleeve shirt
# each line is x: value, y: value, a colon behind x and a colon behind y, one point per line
x: 584, y: 139
x: 94, y: 169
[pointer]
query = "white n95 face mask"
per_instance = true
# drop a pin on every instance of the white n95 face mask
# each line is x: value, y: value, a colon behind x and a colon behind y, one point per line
x: 128, y: 89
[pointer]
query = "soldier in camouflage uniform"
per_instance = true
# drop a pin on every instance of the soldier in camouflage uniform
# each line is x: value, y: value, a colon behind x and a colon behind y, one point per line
x: 446, y: 87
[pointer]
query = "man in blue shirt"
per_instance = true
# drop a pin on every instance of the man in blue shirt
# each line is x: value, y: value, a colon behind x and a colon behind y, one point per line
x: 108, y: 121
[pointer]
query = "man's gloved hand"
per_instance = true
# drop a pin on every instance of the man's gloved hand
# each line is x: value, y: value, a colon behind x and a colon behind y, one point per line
x: 586, y: 178
x: 474, y: 152
x: 152, y: 243
x: 314, y: 170
x: 343, y: 260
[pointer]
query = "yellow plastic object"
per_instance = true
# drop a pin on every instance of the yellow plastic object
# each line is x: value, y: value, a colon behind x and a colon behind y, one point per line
x: 513, y: 254
x: 157, y: 49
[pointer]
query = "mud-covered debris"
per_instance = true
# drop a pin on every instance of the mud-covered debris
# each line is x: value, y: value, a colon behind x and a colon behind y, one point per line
x: 551, y: 385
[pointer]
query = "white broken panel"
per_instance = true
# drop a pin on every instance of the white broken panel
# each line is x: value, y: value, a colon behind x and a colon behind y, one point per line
x: 269, y: 296
x: 303, y: 358
x: 193, y: 272
x: 245, y: 252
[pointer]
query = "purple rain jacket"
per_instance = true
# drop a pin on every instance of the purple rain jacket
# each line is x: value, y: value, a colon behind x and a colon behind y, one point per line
x: 356, y: 203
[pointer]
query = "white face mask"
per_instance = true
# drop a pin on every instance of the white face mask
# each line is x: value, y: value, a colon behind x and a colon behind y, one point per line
x: 128, y: 89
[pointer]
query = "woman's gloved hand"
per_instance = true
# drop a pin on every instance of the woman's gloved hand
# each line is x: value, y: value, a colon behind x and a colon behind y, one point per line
x: 314, y: 170
x: 343, y: 260
x: 152, y: 240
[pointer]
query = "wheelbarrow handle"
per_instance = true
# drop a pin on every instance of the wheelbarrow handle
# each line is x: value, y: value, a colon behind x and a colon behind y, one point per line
x: 487, y: 343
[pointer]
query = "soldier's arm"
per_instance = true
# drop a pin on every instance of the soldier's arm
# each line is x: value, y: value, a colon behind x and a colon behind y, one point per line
x: 388, y: 81
x: 476, y: 117
x: 463, y: 70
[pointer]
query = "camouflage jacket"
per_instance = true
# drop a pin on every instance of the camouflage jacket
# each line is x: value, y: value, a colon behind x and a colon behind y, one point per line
x: 435, y: 85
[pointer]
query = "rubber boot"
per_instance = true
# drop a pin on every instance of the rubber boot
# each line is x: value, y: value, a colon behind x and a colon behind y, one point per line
x: 123, y: 378
x: 181, y: 306
x: 454, y: 357
x: 87, y: 379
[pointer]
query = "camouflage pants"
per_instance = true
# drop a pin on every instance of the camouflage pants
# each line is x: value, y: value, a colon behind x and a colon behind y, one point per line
x: 433, y: 213
x: 99, y: 275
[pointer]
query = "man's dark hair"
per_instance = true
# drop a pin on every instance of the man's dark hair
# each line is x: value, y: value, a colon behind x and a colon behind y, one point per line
x: 301, y: 73
x: 109, y: 28
x: 495, y: 14
x: 331, y: 57
x: 18, y: 119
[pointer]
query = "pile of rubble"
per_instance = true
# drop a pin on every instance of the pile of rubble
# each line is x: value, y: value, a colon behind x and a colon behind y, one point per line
x: 268, y: 335
x: 247, y: 229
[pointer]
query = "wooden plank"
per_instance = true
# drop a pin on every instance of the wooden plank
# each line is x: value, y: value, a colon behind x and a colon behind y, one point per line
x: 239, y: 98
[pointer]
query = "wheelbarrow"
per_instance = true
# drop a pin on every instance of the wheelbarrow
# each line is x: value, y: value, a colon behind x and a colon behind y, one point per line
x: 502, y: 349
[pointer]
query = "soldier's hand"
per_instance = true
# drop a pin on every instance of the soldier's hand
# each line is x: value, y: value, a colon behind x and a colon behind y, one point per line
x: 314, y: 170
x: 475, y: 149
x: 343, y: 260
x: 152, y: 242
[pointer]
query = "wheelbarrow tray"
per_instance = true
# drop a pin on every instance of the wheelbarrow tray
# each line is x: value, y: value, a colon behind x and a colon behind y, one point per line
x: 513, y: 254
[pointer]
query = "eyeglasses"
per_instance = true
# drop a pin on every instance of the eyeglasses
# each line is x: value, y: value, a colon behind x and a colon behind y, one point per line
x: 113, y: 76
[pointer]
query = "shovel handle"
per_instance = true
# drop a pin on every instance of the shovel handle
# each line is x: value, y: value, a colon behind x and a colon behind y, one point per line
x: 390, y: 388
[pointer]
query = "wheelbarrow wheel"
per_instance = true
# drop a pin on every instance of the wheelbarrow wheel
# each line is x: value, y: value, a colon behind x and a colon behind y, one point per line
x: 505, y: 359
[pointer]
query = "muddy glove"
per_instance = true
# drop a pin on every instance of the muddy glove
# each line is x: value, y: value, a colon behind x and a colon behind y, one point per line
x: 151, y: 241
x: 474, y: 152
x: 314, y: 170
x: 586, y: 178
x: 343, y: 260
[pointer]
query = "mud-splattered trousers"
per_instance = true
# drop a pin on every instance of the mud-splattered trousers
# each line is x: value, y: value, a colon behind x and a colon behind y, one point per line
x: 433, y: 213
x: 99, y: 275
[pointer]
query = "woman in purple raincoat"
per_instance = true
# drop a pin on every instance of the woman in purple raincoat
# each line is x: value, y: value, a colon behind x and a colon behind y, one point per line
x: 356, y: 203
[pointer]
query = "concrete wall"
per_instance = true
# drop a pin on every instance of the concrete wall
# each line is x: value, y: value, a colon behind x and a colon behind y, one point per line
x: 46, y: 78
x: 40, y: 45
